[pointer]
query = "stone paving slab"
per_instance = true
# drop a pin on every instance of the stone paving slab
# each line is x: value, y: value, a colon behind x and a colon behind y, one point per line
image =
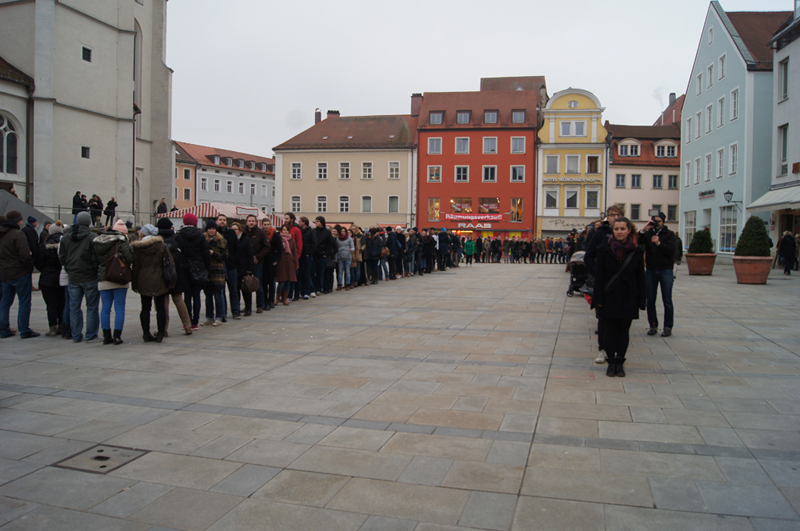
x: 420, y: 404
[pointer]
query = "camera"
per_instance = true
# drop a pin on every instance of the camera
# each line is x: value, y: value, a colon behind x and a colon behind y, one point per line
x: 653, y: 213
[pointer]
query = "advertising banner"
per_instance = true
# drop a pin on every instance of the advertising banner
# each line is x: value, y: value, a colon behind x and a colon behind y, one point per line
x: 473, y: 217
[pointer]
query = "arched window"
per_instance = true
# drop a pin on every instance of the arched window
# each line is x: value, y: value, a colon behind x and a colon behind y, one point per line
x: 8, y: 146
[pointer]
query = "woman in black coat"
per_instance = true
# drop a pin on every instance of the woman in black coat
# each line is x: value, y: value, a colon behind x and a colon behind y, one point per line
x: 619, y: 291
x: 111, y: 211
x: 166, y: 231
x: 787, y: 248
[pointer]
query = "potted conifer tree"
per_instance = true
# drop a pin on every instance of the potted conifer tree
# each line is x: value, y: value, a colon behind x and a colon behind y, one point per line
x: 701, y: 256
x: 752, y: 260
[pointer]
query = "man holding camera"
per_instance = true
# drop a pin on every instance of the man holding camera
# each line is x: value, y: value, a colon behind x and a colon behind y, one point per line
x: 659, y: 243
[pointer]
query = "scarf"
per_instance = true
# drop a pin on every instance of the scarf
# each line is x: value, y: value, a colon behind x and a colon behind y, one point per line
x: 286, y: 239
x: 270, y: 232
x: 343, y: 235
x: 620, y: 249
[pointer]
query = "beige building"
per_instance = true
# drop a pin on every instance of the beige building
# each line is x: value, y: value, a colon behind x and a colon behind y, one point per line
x: 84, y: 85
x: 351, y: 169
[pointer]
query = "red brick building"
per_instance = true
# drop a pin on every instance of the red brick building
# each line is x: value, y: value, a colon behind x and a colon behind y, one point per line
x: 477, y: 157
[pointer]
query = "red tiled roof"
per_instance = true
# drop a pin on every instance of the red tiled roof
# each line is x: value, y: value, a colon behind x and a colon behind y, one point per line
x: 644, y: 132
x: 182, y: 156
x: 12, y: 73
x: 756, y: 29
x: 357, y: 132
x: 533, y: 83
x: 204, y: 155
x: 477, y: 102
x: 675, y: 108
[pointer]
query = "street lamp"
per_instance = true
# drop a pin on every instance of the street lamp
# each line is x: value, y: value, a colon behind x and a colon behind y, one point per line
x: 729, y: 199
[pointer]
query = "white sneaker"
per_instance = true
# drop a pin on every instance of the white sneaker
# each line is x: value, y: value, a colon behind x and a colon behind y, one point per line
x: 217, y: 322
x: 601, y: 357
x: 313, y: 295
x: 208, y: 322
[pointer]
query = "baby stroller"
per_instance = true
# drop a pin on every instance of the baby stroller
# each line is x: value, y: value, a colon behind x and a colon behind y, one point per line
x: 577, y: 273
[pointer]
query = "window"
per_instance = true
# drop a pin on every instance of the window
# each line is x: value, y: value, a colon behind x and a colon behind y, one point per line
x: 517, y: 144
x: 488, y: 205
x: 635, y: 208
x: 516, y: 210
x: 490, y: 145
x: 783, y: 79
x: 490, y: 117
x: 734, y: 150
x: 252, y: 189
x: 709, y: 118
x: 322, y: 170
x: 241, y: 188
x: 216, y: 185
x: 517, y: 117
x: 672, y: 212
x: 593, y: 164
x: 690, y: 219
x: 394, y: 204
x: 462, y: 174
x: 628, y: 150
x: 592, y: 198
x: 573, y: 164
x: 344, y: 204
x: 636, y: 180
x: 433, y: 209
x: 710, y: 35
x: 203, y: 184
x: 720, y: 162
x: 708, y: 167
x: 697, y: 170
x: 435, y: 118
x: 551, y: 164
x: 672, y: 182
x: 721, y: 69
x: 699, y: 84
x: 517, y: 174
x: 229, y: 187
x: 657, y: 207
x: 394, y: 170
x: 322, y: 204
x: 699, y: 124
x: 687, y: 173
x: 623, y: 150
x: 187, y: 194
x: 620, y: 180
x: 462, y: 117
x: 657, y: 185
x: 434, y: 146
x: 366, y: 204
x: 688, y: 130
x: 660, y: 151
x: 573, y: 128
x: 490, y: 174
x: 344, y: 170
x: 461, y: 205
x: 187, y: 174
x: 783, y: 149
x: 296, y: 171
x: 710, y: 76
x: 721, y: 111
x: 672, y: 151
x: 572, y: 198
x: 551, y: 199
x: 434, y: 174
x: 175, y: 193
x: 462, y: 146
x: 366, y: 170
x: 727, y: 229
x: 263, y: 190
x: 86, y: 54
x: 734, y: 104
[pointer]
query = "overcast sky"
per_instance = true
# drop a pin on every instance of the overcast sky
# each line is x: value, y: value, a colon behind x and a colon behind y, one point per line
x: 249, y: 73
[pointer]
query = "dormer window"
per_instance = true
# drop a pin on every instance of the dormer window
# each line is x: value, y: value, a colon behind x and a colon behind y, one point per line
x: 490, y: 117
x: 628, y: 150
x: 263, y: 166
x: 229, y: 161
x: 517, y: 117
x: 216, y: 159
x: 241, y: 163
x: 462, y: 117
x: 666, y: 149
x: 435, y: 118
x: 251, y: 165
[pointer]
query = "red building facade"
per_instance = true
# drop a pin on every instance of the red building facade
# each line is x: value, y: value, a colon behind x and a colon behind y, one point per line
x: 477, y: 160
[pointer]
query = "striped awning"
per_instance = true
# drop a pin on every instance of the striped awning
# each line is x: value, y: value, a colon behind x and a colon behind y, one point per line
x: 233, y: 212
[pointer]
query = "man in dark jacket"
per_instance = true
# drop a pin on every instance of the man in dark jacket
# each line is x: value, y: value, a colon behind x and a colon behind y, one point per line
x: 391, y: 245
x: 307, y: 258
x: 196, y: 262
x: 162, y: 206
x: 16, y: 266
x: 261, y: 246
x: 443, y: 249
x: 659, y: 243
x: 231, y: 271
x: 77, y: 206
x: 325, y: 249
x: 29, y: 230
x: 76, y: 254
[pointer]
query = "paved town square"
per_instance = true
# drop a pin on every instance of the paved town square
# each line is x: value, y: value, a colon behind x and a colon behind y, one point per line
x: 467, y: 399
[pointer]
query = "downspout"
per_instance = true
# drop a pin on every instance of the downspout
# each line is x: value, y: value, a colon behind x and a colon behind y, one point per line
x: 609, y: 152
x: 29, y: 146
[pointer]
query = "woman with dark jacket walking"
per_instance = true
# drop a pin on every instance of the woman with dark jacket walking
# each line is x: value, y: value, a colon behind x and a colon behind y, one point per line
x: 287, y: 266
x: 166, y: 232
x: 112, y: 242
x: 196, y: 261
x: 53, y: 294
x: 619, y: 290
x: 148, y: 280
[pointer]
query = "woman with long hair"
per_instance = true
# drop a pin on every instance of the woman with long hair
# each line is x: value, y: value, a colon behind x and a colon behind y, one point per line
x: 287, y: 266
x: 148, y: 280
x: 114, y: 241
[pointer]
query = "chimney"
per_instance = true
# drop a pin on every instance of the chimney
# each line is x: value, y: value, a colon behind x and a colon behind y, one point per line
x: 671, y: 98
x: 333, y: 114
x: 416, y: 103
x: 317, y: 115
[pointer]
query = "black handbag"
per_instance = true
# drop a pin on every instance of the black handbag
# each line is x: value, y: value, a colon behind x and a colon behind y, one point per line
x: 117, y: 269
x: 168, y: 268
x: 250, y: 283
x: 331, y: 263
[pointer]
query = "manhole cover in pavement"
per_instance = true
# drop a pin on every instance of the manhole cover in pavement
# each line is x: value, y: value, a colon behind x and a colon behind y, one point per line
x: 101, y: 459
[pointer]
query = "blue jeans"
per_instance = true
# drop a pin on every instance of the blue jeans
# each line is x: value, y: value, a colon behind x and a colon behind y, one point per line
x: 344, y: 271
x: 383, y: 270
x: 116, y: 298
x: 22, y: 287
x: 67, y: 311
x: 233, y: 292
x: 215, y: 295
x: 652, y: 280
x: 77, y: 290
x: 355, y: 273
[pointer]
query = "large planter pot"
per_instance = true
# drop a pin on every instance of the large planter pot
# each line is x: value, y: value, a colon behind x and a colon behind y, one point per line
x: 700, y: 263
x: 752, y: 269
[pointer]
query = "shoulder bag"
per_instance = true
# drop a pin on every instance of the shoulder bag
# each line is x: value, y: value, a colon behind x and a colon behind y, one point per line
x: 117, y: 270
x: 168, y: 268
x: 250, y: 283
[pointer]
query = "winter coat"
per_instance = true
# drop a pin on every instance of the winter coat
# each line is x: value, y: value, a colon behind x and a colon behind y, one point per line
x: 469, y: 247
x: 626, y: 295
x: 148, y: 263
x: 219, y: 258
x: 487, y: 245
x: 177, y: 259
x: 259, y: 242
x: 540, y: 246
x: 373, y: 248
x: 231, y: 242
x: 297, y: 236
x: 787, y: 247
x: 401, y: 244
x: 429, y: 245
x: 77, y: 204
x: 662, y: 256
x: 105, y: 245
x: 47, y: 262
x: 357, y: 244
x: 325, y: 246
x: 242, y: 257
x: 391, y: 244
x: 275, y: 248
x: 111, y: 208
x: 506, y: 246
x: 601, y: 236
x: 76, y: 254
x: 15, y: 255
x: 444, y: 242
x: 288, y: 264
x: 344, y: 249
x: 309, y: 242
x: 33, y: 238
x: 194, y: 251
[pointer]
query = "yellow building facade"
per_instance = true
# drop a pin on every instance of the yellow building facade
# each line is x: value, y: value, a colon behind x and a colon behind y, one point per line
x: 572, y: 163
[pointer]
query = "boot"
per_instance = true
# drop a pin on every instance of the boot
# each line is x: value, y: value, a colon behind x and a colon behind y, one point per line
x: 106, y: 336
x: 611, y: 371
x: 117, y: 337
x: 144, y: 319
x: 286, y: 298
x: 53, y: 331
x: 159, y: 337
x: 620, y: 371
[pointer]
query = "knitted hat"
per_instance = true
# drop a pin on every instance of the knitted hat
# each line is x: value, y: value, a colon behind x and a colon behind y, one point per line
x: 190, y: 219
x: 120, y: 227
x: 211, y: 224
x: 14, y: 216
x: 31, y: 220
x: 56, y: 228
x: 164, y: 223
x: 149, y: 230
x: 399, y: 228
x: 84, y: 219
